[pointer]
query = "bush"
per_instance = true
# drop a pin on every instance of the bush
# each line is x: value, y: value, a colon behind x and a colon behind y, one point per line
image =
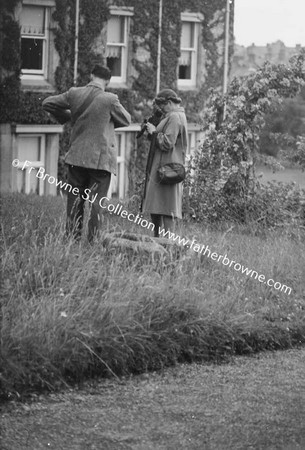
x: 221, y: 181
x: 275, y: 204
x: 287, y: 120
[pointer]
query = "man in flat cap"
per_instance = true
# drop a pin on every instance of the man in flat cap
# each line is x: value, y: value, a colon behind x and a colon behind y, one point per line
x: 92, y: 155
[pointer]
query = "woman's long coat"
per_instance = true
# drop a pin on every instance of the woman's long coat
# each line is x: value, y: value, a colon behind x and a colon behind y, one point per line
x: 171, y: 145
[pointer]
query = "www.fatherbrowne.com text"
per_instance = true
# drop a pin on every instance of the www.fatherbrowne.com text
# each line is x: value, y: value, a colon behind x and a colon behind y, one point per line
x: 206, y: 251
x: 119, y: 210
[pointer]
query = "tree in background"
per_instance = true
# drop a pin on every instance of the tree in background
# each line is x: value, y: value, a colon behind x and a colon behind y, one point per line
x: 287, y: 122
x: 223, y: 169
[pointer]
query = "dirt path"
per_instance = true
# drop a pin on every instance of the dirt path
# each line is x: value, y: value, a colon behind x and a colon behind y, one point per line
x: 251, y: 403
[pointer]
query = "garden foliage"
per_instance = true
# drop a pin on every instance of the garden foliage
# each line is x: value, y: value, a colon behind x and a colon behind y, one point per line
x: 299, y: 154
x: 283, y: 126
x: 69, y: 312
x: 224, y: 185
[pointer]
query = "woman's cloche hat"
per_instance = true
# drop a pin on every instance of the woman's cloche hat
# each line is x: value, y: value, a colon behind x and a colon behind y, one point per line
x: 165, y: 95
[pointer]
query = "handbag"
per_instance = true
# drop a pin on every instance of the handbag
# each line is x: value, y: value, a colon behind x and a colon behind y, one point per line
x: 171, y: 173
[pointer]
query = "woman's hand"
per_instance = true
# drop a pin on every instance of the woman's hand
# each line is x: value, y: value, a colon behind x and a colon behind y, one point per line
x: 150, y: 128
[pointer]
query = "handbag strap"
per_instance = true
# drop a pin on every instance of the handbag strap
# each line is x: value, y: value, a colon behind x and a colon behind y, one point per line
x: 182, y: 139
x: 156, y: 142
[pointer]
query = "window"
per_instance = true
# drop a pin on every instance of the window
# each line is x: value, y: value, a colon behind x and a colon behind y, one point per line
x: 30, y: 148
x: 117, y: 43
x: 34, y: 40
x: 116, y: 46
x: 188, y: 61
x: 36, y: 147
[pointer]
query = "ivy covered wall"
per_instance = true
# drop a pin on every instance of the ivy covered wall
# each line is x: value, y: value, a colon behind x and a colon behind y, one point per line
x: 24, y: 107
x: 9, y: 60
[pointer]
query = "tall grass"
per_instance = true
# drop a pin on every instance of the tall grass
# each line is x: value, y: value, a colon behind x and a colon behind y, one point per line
x: 71, y: 311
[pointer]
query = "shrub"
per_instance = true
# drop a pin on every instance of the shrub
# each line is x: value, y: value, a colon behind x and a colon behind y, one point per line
x: 223, y: 175
x: 275, y: 204
x: 287, y: 121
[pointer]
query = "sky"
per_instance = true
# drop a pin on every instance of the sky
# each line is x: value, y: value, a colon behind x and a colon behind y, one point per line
x: 265, y: 21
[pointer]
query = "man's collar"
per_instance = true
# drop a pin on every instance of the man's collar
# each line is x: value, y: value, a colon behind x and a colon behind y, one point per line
x: 96, y: 84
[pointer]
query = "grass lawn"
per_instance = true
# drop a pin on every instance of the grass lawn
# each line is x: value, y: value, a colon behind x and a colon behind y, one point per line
x: 287, y: 175
x: 248, y: 403
x: 72, y: 311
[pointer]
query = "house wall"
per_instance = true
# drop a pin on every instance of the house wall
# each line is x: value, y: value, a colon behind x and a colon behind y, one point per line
x: 22, y: 96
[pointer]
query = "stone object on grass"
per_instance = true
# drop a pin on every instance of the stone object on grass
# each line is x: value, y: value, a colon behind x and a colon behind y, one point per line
x: 133, y: 243
x: 138, y: 244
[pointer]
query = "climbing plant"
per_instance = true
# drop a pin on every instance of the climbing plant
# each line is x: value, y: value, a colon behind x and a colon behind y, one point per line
x: 25, y: 107
x: 144, y: 31
x: 224, y: 166
x: 10, y: 59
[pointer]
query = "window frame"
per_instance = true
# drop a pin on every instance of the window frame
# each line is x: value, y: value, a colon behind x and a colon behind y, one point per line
x: 35, y: 164
x: 125, y: 13
x: 48, y: 153
x: 195, y: 19
x: 41, y: 74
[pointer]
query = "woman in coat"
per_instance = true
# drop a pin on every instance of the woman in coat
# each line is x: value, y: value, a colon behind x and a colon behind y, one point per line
x: 164, y: 202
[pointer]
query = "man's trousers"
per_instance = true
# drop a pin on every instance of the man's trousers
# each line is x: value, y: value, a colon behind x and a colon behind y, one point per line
x: 92, y: 185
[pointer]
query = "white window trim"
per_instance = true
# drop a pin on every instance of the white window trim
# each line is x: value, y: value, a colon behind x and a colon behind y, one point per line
x: 196, y: 19
x: 29, y: 74
x: 49, y: 133
x: 48, y: 3
x: 121, y: 10
x: 126, y: 12
x: 191, y: 17
x: 118, y: 181
x: 34, y: 164
x: 37, y: 129
x: 121, y: 161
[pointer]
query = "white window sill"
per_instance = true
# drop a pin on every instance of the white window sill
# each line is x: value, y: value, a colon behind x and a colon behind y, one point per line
x: 185, y: 87
x: 36, y: 85
x: 117, y: 85
x: 45, y: 129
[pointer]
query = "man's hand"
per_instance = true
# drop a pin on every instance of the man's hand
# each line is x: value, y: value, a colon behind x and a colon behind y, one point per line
x: 61, y: 115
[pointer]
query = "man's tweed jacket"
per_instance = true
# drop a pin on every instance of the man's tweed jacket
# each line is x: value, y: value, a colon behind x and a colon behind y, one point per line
x: 94, y: 115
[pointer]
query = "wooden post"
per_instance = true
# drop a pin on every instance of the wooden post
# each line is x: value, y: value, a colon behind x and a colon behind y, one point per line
x: 76, y: 42
x: 159, y: 48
